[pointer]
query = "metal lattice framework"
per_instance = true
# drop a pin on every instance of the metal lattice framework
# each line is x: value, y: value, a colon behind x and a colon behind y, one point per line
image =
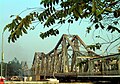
x: 69, y: 55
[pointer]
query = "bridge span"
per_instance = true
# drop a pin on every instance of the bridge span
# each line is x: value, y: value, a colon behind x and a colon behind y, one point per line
x: 72, y: 59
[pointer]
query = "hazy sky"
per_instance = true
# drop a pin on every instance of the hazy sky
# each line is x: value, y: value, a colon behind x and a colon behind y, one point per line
x: 25, y: 47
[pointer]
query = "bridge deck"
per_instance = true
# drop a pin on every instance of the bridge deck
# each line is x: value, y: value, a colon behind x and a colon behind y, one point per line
x: 68, y: 77
x: 104, y: 73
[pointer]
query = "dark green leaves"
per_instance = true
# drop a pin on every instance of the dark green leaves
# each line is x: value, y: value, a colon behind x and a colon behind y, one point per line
x: 95, y: 10
x: 112, y: 29
x: 50, y: 21
x: 94, y: 47
x: 49, y: 32
x: 49, y: 3
x: 24, y: 30
x: 99, y: 25
x: 70, y: 21
x: 19, y: 26
x: 117, y: 13
x: 88, y: 29
x: 61, y: 21
x: 96, y: 26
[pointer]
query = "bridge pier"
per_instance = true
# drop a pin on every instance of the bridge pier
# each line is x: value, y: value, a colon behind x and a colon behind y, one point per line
x: 65, y: 56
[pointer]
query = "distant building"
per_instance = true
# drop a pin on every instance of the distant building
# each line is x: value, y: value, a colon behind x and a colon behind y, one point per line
x: 25, y: 70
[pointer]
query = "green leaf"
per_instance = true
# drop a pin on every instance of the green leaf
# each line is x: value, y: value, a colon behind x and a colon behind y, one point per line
x: 76, y: 13
x: 54, y: 2
x: 21, y: 33
x: 99, y: 12
x: 18, y: 18
x: 115, y: 22
x: 98, y: 45
x: 42, y: 35
x: 70, y: 21
x: 24, y: 30
x: 47, y: 4
x: 12, y: 16
x: 108, y: 9
x: 93, y: 47
x: 117, y: 13
x: 57, y: 1
x: 88, y: 29
x: 57, y: 32
x: 112, y: 29
x: 9, y: 39
x: 51, y: 10
x: 5, y: 28
x: 18, y: 36
x: 13, y: 40
x: 96, y: 26
x: 54, y: 9
x: 101, y: 25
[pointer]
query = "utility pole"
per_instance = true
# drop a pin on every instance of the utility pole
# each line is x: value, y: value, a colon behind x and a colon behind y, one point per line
x: 2, y: 55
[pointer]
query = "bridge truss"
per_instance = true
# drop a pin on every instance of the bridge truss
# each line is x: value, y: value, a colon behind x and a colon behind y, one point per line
x: 71, y: 56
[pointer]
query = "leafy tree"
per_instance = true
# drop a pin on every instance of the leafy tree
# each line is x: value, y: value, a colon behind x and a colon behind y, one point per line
x: 13, y: 68
x: 103, y: 14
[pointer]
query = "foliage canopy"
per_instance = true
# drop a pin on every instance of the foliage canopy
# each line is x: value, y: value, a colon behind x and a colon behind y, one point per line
x: 104, y: 14
x: 13, y: 68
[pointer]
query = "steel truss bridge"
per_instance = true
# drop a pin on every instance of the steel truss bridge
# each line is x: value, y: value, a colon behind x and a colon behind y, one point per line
x: 72, y: 59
